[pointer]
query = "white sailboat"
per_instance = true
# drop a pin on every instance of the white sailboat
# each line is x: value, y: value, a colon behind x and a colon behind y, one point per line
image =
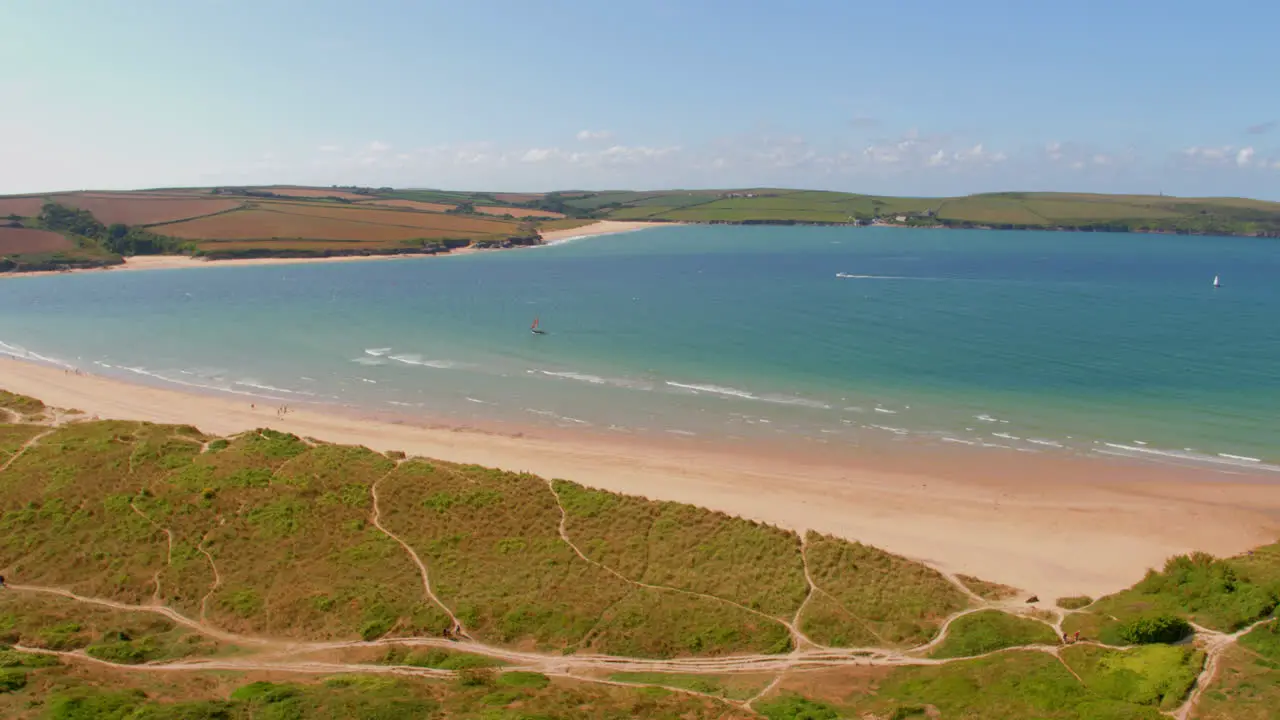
x: 1216, y: 282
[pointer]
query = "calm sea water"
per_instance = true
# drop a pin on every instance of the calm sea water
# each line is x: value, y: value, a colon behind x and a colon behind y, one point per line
x: 1099, y: 343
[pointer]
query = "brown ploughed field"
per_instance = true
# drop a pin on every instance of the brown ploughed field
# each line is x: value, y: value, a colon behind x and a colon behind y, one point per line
x: 517, y: 212
x: 300, y: 192
x: 132, y: 209
x: 24, y: 206
x: 289, y: 222
x: 410, y: 204
x: 17, y: 241
x: 403, y: 217
x: 517, y: 197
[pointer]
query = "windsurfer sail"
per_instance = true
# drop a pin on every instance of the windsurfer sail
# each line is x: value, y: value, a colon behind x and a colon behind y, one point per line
x: 537, y: 330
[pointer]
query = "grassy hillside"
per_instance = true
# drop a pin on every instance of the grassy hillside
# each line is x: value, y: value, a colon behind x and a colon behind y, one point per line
x: 371, y: 585
x: 1078, y: 211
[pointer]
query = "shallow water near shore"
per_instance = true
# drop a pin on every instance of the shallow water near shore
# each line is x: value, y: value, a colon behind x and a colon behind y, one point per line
x: 1027, y: 341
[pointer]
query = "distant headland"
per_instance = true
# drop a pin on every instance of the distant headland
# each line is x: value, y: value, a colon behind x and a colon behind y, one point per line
x: 92, y: 229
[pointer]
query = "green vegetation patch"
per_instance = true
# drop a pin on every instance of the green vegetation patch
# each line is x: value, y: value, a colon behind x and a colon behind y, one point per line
x: 726, y: 686
x: 1074, y: 603
x: 1156, y: 675
x: 1007, y: 685
x: 24, y: 406
x: 988, y: 630
x: 901, y: 602
x: 437, y: 658
x: 1221, y: 594
x: 987, y: 590
x: 56, y: 623
x: 795, y: 707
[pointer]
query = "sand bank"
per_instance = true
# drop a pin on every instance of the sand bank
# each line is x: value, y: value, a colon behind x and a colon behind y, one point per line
x: 1048, y: 524
x: 174, y: 262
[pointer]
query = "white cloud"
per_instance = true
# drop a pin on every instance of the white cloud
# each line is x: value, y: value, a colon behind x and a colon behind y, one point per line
x: 1053, y: 151
x: 589, y: 135
x: 378, y: 147
x: 537, y: 155
x: 914, y: 151
x: 1244, y: 156
x: 330, y: 148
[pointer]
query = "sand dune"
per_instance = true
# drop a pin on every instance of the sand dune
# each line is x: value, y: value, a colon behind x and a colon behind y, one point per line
x: 1051, y: 525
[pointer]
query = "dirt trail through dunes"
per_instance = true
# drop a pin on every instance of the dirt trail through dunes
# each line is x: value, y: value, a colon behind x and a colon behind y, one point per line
x: 13, y: 458
x: 267, y: 655
x: 458, y: 628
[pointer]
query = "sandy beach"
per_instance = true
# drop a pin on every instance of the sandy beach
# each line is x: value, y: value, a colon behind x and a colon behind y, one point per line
x: 175, y: 262
x: 1051, y: 525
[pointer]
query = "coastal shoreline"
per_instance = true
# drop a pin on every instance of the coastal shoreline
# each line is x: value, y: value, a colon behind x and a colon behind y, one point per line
x: 1050, y: 525
x: 180, y: 262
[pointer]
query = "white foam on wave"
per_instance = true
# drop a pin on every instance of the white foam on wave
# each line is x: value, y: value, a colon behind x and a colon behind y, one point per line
x: 1006, y: 436
x: 1185, y: 456
x: 199, y: 385
x: 22, y: 353
x: 894, y: 430
x: 377, y: 352
x: 369, y: 361
x: 987, y: 418
x: 479, y: 402
x: 567, y: 375
x: 256, y: 385
x: 685, y: 433
x: 713, y: 389
x: 959, y: 441
x: 1047, y: 443
x: 886, y: 411
x: 414, y: 359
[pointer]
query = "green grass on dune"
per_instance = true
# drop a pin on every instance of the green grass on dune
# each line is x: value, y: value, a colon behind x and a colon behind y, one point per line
x: 988, y: 630
x: 681, y: 546
x: 1223, y: 594
x: 287, y: 526
x: 1153, y: 675
x: 899, y: 602
x: 522, y: 696
x: 1016, y: 684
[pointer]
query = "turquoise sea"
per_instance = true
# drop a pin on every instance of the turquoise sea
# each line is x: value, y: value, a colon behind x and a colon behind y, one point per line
x: 1035, y: 341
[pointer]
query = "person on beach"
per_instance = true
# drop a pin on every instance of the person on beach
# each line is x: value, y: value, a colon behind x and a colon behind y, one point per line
x: 1077, y: 638
x: 1, y: 582
x: 1065, y: 640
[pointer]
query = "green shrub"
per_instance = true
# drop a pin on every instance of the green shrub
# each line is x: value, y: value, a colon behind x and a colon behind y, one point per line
x: 1147, y: 629
x: 524, y: 680
x: 475, y: 677
x: 92, y: 705
x: 124, y: 653
x: 1074, y: 603
x: 795, y: 707
x: 12, y: 680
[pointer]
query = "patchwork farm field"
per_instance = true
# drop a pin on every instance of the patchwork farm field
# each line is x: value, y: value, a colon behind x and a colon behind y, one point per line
x: 131, y: 209
x: 17, y: 241
x: 266, y: 221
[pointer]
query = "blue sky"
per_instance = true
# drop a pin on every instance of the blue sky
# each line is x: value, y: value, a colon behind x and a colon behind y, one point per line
x: 915, y: 97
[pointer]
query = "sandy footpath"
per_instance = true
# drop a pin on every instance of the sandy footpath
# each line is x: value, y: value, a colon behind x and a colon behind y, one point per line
x: 1052, y: 525
x: 172, y: 262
